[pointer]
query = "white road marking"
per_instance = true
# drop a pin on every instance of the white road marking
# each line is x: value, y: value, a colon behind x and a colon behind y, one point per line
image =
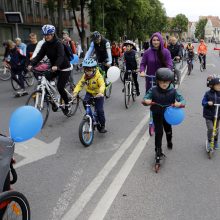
x: 34, y: 150
x: 108, y: 198
x: 85, y: 197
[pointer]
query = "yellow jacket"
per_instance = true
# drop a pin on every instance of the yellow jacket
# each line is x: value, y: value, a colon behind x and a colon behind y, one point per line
x: 93, y: 86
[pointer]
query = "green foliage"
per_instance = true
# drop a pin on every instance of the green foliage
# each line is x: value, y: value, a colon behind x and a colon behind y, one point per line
x: 179, y: 23
x: 200, y: 28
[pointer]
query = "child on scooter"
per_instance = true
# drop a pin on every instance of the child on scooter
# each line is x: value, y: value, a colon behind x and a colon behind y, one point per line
x: 163, y: 94
x: 210, y: 98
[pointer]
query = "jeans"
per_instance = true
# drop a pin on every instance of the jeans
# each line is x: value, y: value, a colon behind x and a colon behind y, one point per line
x: 99, y: 106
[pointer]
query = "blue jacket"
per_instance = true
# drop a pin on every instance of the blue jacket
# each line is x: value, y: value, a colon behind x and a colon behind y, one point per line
x: 209, y: 111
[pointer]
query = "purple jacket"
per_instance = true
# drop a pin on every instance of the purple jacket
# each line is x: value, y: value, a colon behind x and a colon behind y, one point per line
x: 150, y: 59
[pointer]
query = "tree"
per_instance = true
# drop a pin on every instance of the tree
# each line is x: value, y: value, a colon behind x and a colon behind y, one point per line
x: 179, y: 24
x: 200, y: 28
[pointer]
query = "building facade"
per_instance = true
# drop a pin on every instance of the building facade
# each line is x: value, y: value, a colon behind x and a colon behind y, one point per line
x: 35, y: 14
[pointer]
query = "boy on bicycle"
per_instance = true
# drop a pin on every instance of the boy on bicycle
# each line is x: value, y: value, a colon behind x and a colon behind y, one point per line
x: 163, y: 94
x: 190, y: 53
x: 95, y: 87
x: 131, y: 62
x: 210, y: 98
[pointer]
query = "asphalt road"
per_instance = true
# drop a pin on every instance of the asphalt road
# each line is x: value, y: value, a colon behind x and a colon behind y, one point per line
x: 114, y: 179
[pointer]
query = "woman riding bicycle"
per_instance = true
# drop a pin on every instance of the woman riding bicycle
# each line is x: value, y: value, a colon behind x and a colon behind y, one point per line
x: 154, y: 58
x: 95, y: 87
x: 61, y: 67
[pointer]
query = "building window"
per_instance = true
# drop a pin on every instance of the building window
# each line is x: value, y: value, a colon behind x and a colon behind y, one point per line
x: 37, y: 6
x: 29, y: 8
x: 45, y: 12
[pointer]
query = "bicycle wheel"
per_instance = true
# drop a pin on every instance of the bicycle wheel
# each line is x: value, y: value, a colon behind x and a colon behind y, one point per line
x: 108, y: 91
x: 133, y: 91
x: 127, y: 92
x: 122, y: 73
x: 189, y: 68
x: 85, y: 135
x: 35, y: 101
x: 201, y: 66
x: 15, y: 84
x: 29, y: 78
x: 14, y: 205
x: 5, y: 73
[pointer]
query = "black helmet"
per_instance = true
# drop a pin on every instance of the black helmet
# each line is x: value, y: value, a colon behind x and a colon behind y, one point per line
x: 95, y: 36
x: 214, y: 81
x: 164, y: 74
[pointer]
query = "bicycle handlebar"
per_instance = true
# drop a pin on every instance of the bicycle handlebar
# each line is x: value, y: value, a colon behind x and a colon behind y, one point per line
x: 164, y: 106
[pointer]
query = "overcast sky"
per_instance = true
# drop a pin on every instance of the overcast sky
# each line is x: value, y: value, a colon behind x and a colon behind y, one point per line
x: 192, y: 8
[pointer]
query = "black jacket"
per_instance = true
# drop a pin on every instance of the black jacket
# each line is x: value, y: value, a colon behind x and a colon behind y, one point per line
x: 175, y: 50
x: 54, y: 50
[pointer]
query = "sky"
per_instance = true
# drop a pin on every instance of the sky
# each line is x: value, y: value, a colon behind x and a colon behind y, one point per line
x: 192, y: 8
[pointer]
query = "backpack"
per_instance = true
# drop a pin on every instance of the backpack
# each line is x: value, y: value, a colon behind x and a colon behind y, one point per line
x: 68, y: 52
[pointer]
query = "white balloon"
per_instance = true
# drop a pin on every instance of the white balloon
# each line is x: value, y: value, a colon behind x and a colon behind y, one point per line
x: 113, y: 73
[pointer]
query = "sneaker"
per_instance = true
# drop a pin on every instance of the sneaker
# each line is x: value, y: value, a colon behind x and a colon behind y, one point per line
x: 67, y: 110
x: 102, y: 129
x: 123, y: 90
x: 138, y: 93
x: 20, y: 93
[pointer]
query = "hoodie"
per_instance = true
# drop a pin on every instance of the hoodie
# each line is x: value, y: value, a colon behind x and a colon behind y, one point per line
x: 151, y: 60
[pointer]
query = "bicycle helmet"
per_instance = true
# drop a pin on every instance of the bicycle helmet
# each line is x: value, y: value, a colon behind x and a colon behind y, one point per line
x: 90, y: 62
x: 95, y: 36
x: 48, y: 29
x: 164, y: 74
x: 214, y: 81
x: 129, y: 42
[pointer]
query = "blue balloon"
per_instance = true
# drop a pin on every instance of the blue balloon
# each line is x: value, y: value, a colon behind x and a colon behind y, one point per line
x: 75, y: 59
x: 174, y: 116
x: 25, y: 123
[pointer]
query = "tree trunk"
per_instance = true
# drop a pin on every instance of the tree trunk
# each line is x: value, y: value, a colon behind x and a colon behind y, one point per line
x: 60, y: 18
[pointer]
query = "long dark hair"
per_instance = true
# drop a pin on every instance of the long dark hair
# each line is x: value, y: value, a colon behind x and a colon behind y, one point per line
x: 161, y: 57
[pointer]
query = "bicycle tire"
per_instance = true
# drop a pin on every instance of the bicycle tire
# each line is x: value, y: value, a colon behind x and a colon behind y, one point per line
x: 16, y: 203
x: 201, y: 67
x: 108, y: 91
x: 15, y: 85
x: 5, y: 74
x: 133, y: 92
x: 189, y: 68
x: 122, y: 73
x: 32, y: 101
x: 127, y: 94
x: 83, y: 131
x: 29, y: 79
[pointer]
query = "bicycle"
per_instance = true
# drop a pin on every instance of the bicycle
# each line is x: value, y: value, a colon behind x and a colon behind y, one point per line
x: 202, y: 65
x: 210, y: 150
x: 122, y: 67
x: 13, y: 204
x: 28, y: 78
x: 5, y: 73
x: 88, y: 124
x: 129, y: 89
x: 189, y: 65
x: 108, y: 85
x: 177, y: 73
x: 46, y: 94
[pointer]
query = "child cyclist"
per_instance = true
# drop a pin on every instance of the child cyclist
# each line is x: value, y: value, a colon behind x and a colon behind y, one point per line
x: 210, y: 98
x: 95, y: 87
x: 164, y: 94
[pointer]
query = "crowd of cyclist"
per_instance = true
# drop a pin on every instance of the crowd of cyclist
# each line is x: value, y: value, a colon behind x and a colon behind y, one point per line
x: 158, y: 53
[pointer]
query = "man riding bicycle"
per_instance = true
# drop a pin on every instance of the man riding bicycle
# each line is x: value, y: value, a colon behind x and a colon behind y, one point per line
x: 61, y: 68
x: 102, y: 49
x: 202, y: 50
x: 176, y: 54
x: 190, y: 53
